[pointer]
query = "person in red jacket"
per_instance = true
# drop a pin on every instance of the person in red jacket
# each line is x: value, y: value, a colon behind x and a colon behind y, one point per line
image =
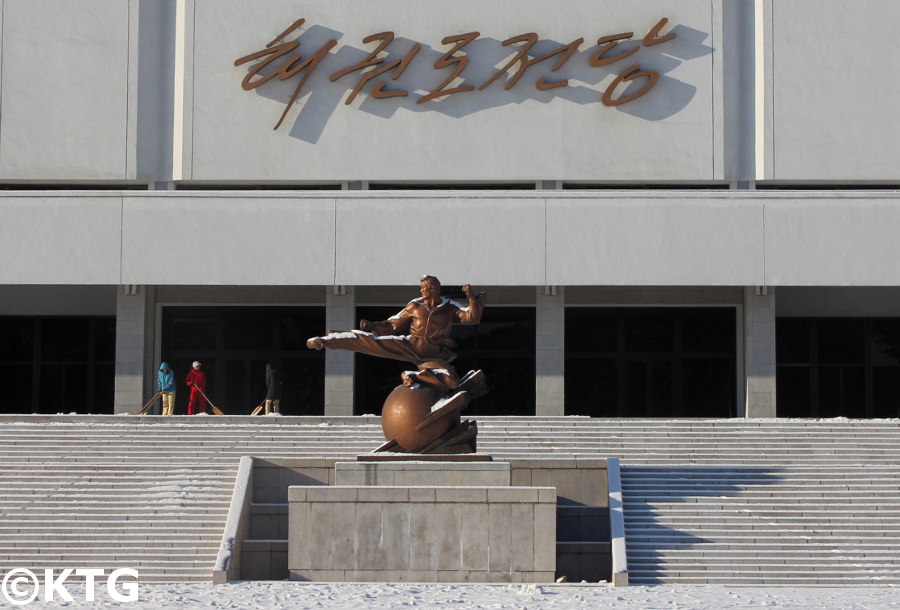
x: 196, y: 380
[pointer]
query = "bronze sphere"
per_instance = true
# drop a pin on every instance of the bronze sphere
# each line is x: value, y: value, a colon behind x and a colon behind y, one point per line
x: 404, y: 408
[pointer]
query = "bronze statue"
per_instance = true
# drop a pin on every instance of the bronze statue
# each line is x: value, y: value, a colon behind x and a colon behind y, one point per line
x: 421, y: 415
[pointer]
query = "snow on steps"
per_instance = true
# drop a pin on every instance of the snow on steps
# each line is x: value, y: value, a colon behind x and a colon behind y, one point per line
x: 729, y: 501
x: 797, y: 523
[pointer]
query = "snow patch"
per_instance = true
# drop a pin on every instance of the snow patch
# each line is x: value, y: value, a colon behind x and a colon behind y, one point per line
x: 286, y: 594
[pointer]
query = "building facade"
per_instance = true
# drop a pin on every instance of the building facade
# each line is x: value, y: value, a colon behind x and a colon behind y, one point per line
x: 677, y: 208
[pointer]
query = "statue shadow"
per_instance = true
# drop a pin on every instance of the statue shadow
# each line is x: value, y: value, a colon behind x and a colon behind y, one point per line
x: 321, y: 97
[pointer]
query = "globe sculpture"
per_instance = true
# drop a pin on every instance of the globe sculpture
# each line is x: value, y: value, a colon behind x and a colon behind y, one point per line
x: 405, y: 408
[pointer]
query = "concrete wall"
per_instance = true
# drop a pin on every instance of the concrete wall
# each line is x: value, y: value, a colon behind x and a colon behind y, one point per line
x: 582, y: 518
x: 271, y: 478
x: 422, y: 534
x: 478, y: 135
x: 115, y: 90
x: 87, y: 90
x: 64, y: 90
x: 412, y: 473
x: 577, y: 480
x: 833, y: 240
x: 223, y: 240
x: 831, y: 99
x: 583, y: 549
x: 607, y: 238
x: 61, y: 239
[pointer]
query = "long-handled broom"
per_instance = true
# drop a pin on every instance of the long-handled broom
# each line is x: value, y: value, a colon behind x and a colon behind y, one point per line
x: 259, y: 407
x: 215, y: 409
x: 146, y: 408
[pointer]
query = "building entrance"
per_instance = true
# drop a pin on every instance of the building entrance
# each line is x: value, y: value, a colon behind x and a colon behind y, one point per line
x: 234, y: 343
x: 831, y: 367
x: 651, y: 361
x: 57, y: 364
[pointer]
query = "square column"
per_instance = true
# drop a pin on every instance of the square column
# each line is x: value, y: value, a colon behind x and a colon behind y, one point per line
x: 340, y: 314
x: 759, y: 351
x: 131, y: 323
x: 550, y: 351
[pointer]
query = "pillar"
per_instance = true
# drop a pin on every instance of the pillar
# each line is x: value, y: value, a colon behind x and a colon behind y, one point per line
x: 131, y: 323
x: 550, y: 351
x: 340, y: 314
x: 759, y: 351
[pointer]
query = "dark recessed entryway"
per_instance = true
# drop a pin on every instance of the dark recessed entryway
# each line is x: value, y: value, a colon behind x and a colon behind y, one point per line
x: 234, y: 344
x: 651, y: 361
x: 831, y: 367
x: 57, y: 364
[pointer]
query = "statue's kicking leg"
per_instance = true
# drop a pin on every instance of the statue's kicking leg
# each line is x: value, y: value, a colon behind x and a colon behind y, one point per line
x: 433, y: 374
x: 387, y: 346
x: 315, y: 343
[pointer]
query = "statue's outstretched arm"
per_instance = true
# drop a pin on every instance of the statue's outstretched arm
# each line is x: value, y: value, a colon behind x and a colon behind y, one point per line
x: 472, y: 314
x: 395, y: 325
x: 376, y: 328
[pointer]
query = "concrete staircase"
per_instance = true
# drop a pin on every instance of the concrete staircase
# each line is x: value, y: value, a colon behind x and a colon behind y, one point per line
x: 778, y: 503
x: 705, y: 500
x: 146, y: 493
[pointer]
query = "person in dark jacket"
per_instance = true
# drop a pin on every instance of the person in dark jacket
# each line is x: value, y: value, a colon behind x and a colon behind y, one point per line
x: 274, y: 381
x: 165, y: 383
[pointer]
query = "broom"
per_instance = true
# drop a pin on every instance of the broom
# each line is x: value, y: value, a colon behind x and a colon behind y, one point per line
x: 215, y: 409
x: 149, y: 404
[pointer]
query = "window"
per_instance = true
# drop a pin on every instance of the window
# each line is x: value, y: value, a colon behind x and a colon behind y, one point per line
x: 651, y: 362
x: 831, y: 367
x: 59, y: 364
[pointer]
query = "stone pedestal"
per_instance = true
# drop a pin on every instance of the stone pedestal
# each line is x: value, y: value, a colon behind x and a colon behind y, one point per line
x: 423, y: 473
x: 422, y: 521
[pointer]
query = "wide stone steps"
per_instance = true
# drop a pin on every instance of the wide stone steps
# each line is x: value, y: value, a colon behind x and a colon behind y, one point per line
x: 59, y: 528
x: 786, y: 551
x: 785, y: 577
x: 811, y: 508
x: 703, y: 492
x: 802, y: 522
x: 755, y: 502
x: 85, y: 500
x: 889, y: 520
x: 111, y: 541
x: 809, y: 488
x: 799, y: 566
x: 820, y: 513
x: 699, y: 535
x: 781, y: 546
x: 720, y: 560
x: 101, y: 556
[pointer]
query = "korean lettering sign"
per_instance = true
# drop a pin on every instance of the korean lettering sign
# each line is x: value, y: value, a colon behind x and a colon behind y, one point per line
x: 283, y: 59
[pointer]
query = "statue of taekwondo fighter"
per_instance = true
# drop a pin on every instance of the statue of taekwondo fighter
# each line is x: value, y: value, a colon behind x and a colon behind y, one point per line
x: 419, y: 334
